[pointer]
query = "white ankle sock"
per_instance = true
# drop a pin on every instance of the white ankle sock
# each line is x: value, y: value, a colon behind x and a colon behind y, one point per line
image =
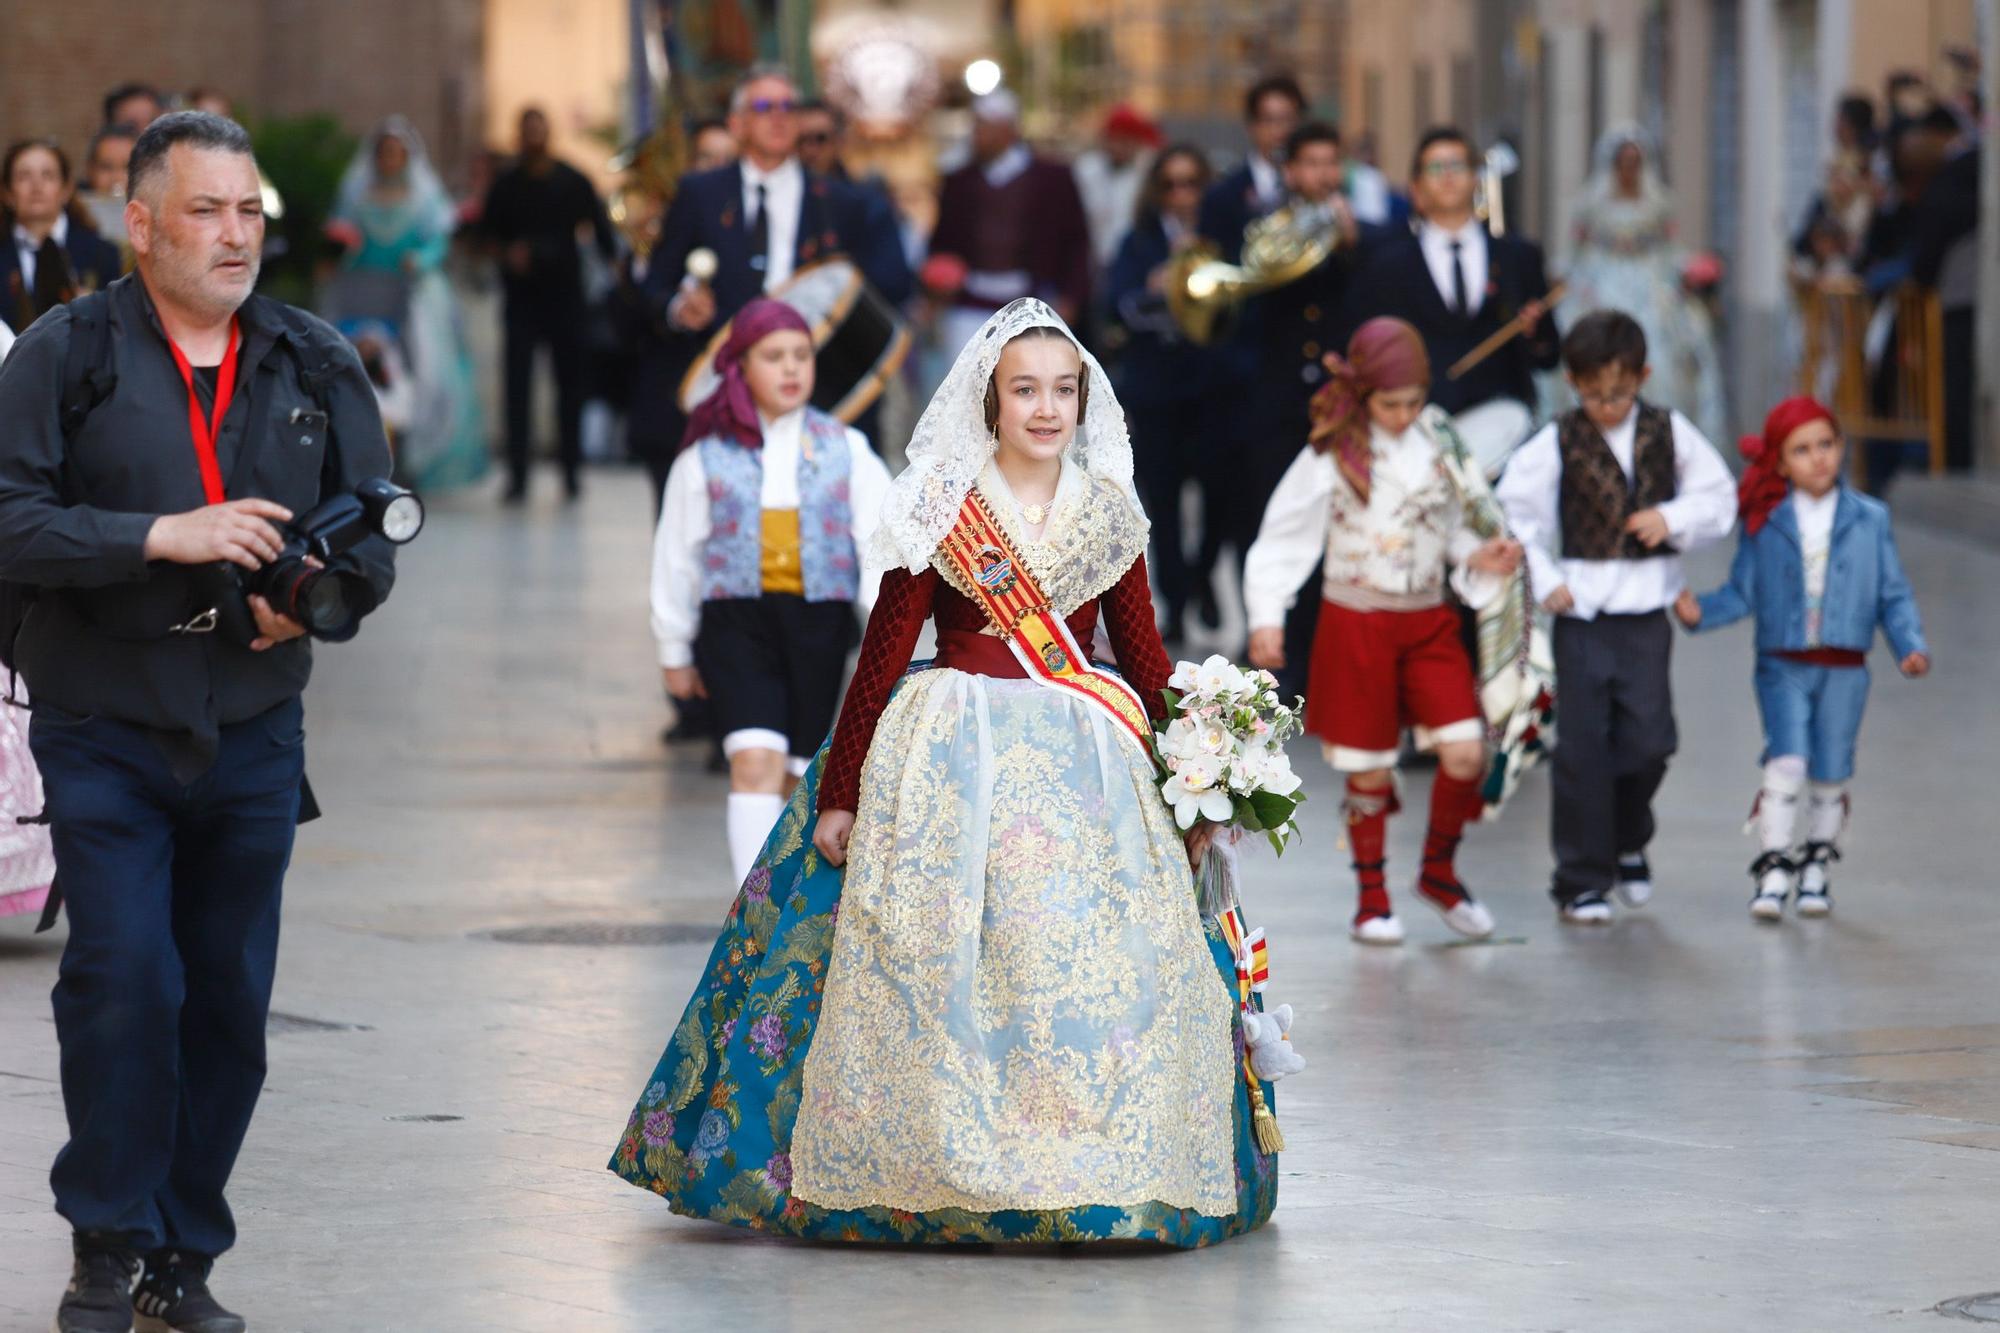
x: 751, y: 817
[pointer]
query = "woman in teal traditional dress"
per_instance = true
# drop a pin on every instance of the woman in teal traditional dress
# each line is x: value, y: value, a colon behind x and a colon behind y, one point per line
x: 397, y: 220
x: 966, y: 995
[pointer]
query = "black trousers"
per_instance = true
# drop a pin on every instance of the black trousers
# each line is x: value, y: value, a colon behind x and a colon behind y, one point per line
x: 559, y: 326
x: 165, y: 984
x: 1960, y: 336
x: 1173, y: 445
x: 1614, y: 734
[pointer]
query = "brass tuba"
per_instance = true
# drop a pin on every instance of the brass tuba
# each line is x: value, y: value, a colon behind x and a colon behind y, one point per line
x: 1280, y: 247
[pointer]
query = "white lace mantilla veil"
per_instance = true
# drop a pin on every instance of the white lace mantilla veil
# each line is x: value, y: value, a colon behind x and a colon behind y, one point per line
x: 951, y: 443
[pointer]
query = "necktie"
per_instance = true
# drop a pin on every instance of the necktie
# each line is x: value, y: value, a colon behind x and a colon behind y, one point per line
x: 52, y: 277
x: 1458, y: 297
x: 760, y: 233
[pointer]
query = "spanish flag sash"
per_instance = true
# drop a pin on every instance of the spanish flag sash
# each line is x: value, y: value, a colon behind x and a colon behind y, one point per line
x: 980, y: 550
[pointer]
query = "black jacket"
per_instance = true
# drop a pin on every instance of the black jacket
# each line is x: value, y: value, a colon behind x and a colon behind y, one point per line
x: 74, y: 514
x: 93, y: 263
x: 1391, y: 278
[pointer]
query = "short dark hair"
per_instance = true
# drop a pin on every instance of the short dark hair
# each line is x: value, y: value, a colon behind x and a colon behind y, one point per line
x: 821, y: 104
x: 127, y: 90
x: 1281, y: 85
x: 1312, y: 132
x: 1604, y: 338
x: 705, y: 124
x: 196, y: 129
x: 1858, y: 111
x: 104, y: 136
x: 1434, y: 136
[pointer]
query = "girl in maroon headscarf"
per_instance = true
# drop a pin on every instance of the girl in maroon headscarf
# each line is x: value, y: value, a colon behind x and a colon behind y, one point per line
x: 1383, y: 494
x: 757, y: 564
x: 1816, y: 568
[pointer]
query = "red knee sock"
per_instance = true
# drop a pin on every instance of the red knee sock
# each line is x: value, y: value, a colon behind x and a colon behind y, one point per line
x: 1367, y: 811
x: 1454, y: 802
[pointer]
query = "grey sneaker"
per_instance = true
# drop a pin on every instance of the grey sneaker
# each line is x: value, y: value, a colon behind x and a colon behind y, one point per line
x: 173, y: 1297
x: 99, y: 1296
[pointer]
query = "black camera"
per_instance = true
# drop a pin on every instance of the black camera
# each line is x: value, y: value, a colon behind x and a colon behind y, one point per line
x: 298, y: 583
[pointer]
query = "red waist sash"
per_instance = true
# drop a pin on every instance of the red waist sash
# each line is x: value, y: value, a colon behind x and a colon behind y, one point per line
x: 1824, y: 657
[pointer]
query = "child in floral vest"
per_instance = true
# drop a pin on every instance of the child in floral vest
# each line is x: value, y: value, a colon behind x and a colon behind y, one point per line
x: 1382, y: 494
x: 1816, y: 568
x: 758, y: 563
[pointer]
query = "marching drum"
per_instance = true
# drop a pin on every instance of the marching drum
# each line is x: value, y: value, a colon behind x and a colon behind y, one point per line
x: 1493, y: 431
x: 858, y: 340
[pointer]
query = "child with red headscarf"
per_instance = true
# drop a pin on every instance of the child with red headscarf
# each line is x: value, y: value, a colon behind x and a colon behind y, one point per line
x: 1816, y: 567
x: 1383, y: 494
x: 758, y: 563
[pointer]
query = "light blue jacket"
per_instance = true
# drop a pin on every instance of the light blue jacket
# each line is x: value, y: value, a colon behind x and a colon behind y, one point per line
x: 1865, y: 586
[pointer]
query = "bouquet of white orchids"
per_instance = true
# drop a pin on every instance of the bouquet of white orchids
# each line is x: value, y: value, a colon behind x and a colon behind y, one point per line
x: 1223, y: 750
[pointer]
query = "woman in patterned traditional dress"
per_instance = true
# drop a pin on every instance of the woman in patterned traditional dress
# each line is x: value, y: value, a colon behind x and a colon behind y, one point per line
x: 972, y: 998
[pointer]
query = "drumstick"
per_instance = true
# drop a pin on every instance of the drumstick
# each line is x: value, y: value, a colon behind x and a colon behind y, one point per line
x: 1501, y: 337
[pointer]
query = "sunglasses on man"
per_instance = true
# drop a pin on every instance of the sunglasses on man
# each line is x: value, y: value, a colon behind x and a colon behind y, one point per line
x: 765, y: 106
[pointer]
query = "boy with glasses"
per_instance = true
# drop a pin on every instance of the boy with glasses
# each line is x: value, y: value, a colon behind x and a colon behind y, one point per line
x: 1606, y: 498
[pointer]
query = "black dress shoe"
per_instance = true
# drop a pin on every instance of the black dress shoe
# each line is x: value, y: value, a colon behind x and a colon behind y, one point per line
x: 1207, y: 606
x: 173, y: 1297
x: 99, y: 1296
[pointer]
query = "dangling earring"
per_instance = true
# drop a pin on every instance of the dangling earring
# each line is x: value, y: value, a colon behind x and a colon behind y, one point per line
x: 992, y: 440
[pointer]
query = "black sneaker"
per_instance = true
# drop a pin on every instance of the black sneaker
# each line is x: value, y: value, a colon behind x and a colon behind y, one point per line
x: 173, y: 1297
x: 99, y: 1296
x: 1635, y: 880
x: 1586, y: 909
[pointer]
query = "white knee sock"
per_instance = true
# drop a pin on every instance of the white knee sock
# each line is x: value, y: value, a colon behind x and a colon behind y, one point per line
x: 1825, y: 818
x: 1778, y: 815
x: 751, y: 817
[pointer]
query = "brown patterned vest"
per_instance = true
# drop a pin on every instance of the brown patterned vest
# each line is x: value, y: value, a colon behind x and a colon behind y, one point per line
x: 1595, y: 498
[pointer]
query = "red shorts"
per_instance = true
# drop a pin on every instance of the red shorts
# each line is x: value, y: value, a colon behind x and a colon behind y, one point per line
x: 1376, y: 672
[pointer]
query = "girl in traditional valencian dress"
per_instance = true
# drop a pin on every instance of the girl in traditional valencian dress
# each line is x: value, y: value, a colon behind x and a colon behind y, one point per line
x: 966, y: 993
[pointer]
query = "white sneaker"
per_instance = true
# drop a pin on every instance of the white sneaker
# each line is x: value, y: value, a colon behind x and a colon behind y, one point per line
x: 1773, y: 872
x: 1466, y: 915
x: 1383, y: 930
x: 1635, y: 880
x: 1769, y: 907
x: 1814, y: 904
x: 1813, y: 886
x: 1587, y: 911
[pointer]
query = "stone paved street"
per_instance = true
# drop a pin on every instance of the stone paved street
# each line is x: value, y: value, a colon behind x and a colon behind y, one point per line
x: 1686, y: 1122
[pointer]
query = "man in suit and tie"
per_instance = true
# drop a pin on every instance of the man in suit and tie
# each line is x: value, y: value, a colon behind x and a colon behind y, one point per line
x: 1272, y: 109
x: 764, y: 216
x: 1458, y: 284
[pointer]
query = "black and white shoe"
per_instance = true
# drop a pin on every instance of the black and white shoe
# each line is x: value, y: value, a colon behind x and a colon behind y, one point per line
x: 1772, y: 873
x: 1635, y: 880
x: 173, y: 1297
x: 1815, y: 894
x: 1587, y: 909
x: 99, y: 1296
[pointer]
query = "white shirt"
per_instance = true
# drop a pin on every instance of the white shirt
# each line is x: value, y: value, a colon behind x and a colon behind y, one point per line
x: 1815, y: 516
x: 1267, y: 181
x: 1367, y: 194
x: 1703, y: 510
x: 684, y: 527
x: 1436, y: 243
x: 6, y: 339
x: 1390, y: 554
x: 29, y: 249
x: 1110, y: 196
x: 784, y: 194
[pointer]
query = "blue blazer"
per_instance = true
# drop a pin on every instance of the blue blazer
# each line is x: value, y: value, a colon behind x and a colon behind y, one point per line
x: 1865, y: 586
x: 93, y: 262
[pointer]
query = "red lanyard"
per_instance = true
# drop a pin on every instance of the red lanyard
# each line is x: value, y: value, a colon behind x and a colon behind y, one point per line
x: 203, y: 428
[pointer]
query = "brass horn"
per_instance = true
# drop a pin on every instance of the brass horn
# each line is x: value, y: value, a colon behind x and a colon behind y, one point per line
x: 1278, y: 248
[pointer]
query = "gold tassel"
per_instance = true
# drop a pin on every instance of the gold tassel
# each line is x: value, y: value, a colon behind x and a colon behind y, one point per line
x: 1264, y: 1125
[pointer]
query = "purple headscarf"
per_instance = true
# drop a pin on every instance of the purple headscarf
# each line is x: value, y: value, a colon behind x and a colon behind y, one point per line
x: 730, y: 411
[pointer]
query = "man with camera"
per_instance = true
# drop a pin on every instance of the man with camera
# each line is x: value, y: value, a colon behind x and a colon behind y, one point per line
x: 156, y: 441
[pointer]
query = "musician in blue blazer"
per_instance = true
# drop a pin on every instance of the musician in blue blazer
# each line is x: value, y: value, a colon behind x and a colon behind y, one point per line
x: 764, y: 216
x: 51, y: 254
x: 1816, y: 568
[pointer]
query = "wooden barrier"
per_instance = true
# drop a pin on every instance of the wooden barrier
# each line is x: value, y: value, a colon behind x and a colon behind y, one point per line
x: 1900, y: 400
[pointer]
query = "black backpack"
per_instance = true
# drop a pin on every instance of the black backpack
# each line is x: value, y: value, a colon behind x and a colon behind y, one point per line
x: 89, y: 378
